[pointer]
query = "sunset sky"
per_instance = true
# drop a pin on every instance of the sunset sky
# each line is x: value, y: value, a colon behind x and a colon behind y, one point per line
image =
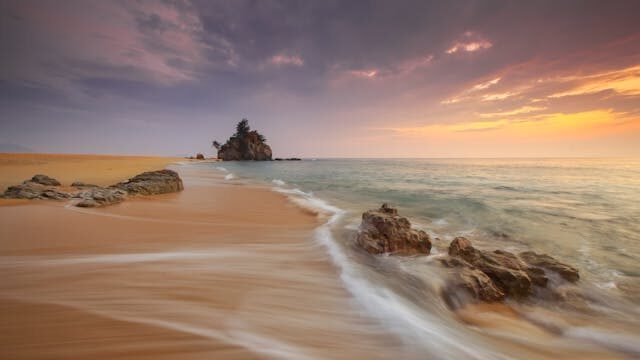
x: 323, y: 78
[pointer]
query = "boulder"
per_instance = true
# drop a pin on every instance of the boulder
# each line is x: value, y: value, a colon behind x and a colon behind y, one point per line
x: 152, y: 182
x: 545, y: 261
x: 97, y: 197
x: 384, y: 231
x: 44, y: 180
x: 506, y: 270
x: 509, y: 275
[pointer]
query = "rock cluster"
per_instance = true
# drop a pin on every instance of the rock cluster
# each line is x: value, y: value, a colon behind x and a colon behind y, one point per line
x: 476, y: 275
x: 384, y: 231
x: 88, y: 195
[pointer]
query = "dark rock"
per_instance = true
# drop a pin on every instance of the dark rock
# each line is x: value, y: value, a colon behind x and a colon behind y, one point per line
x: 545, y: 261
x: 152, y: 182
x: 384, y: 231
x: 44, y: 180
x: 96, y: 197
x: 199, y: 156
x: 81, y: 185
x: 245, y: 144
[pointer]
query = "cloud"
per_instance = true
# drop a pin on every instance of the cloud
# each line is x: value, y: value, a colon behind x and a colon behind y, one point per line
x: 470, y: 42
x: 624, y: 82
x: 284, y: 60
x: 518, y: 111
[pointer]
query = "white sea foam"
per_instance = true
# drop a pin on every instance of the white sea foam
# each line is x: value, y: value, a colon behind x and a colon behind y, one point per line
x: 278, y: 182
x: 229, y: 177
x: 400, y: 315
x: 221, y: 169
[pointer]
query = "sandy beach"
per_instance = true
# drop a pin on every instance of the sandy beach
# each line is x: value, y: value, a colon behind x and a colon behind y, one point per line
x: 223, y: 269
x: 214, y: 271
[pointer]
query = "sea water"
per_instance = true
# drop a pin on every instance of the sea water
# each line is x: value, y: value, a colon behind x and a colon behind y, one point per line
x: 584, y: 212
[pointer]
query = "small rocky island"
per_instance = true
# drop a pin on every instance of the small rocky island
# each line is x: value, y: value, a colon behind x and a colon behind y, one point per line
x: 475, y: 275
x: 245, y: 144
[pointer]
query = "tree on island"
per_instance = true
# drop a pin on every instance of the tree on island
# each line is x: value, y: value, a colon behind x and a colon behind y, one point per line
x: 245, y: 144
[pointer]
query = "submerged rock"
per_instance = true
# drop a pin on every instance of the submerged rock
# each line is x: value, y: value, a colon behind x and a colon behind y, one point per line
x: 384, y: 231
x: 152, y: 182
x: 545, y: 261
x: 509, y: 275
x: 97, y: 197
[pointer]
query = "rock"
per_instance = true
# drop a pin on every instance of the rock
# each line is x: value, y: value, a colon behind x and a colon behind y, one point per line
x: 199, y: 156
x: 152, y: 182
x: 81, y: 185
x: 545, y: 261
x: 506, y: 270
x: 245, y: 144
x: 34, y: 190
x: 96, y: 197
x: 468, y: 283
x: 44, y: 180
x: 384, y: 231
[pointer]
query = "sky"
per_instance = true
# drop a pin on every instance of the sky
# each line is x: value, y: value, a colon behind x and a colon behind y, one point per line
x: 322, y: 78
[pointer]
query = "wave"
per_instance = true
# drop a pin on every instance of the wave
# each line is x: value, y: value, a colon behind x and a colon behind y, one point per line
x: 401, y: 316
x: 229, y: 177
x: 221, y: 169
x: 278, y: 182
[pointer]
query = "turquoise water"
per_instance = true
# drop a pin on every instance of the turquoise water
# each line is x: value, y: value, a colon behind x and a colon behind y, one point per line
x: 585, y: 212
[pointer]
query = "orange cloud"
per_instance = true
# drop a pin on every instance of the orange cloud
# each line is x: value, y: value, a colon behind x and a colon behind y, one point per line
x: 625, y: 82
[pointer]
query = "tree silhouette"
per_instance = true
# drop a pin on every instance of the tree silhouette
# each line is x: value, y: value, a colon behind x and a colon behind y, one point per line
x: 216, y: 144
x: 242, y: 128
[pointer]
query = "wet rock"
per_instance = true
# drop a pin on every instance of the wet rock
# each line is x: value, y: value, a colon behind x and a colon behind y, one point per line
x: 384, y: 231
x: 506, y: 270
x: 152, y: 182
x: 97, y: 197
x: 545, y: 261
x: 44, y: 180
x: 467, y: 284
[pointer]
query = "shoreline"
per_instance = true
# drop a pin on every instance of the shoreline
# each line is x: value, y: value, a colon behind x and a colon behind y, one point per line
x: 256, y: 251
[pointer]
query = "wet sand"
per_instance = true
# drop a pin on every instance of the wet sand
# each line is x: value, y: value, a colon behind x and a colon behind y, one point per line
x: 221, y: 270
x: 216, y: 271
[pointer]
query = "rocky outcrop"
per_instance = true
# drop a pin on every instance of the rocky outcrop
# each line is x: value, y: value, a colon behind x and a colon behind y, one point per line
x: 248, y: 147
x: 245, y: 144
x: 152, y: 182
x: 38, y: 187
x: 493, y: 276
x: 384, y: 231
x: 97, y: 197
x: 199, y: 156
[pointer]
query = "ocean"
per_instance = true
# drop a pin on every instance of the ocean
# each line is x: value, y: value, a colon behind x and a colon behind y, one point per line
x: 584, y: 212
